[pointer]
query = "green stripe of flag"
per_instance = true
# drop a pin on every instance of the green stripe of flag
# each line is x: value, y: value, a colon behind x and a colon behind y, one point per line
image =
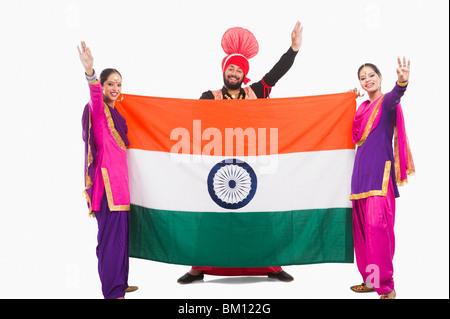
x: 226, y: 240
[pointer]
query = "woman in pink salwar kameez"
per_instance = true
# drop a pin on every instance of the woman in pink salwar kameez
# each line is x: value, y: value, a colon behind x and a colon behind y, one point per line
x: 377, y: 171
x: 106, y: 176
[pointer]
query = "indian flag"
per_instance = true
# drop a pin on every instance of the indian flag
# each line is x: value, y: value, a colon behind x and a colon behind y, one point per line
x: 246, y: 183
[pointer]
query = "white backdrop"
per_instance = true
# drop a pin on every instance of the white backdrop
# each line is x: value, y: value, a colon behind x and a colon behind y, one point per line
x: 172, y: 49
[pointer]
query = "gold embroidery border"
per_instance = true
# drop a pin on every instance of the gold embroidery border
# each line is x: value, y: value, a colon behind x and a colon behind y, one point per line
x: 397, y: 158
x: 88, y: 199
x: 370, y: 123
x: 410, y: 171
x: 384, y: 187
x: 109, y: 195
x: 90, y: 160
x: 112, y: 129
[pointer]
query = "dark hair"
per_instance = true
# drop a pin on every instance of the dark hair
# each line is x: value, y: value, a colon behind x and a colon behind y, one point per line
x: 373, y: 66
x: 106, y: 73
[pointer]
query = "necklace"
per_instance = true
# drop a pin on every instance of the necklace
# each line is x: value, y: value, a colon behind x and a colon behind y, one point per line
x: 229, y: 96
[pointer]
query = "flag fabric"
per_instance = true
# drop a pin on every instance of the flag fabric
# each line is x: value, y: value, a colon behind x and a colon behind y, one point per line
x: 246, y: 183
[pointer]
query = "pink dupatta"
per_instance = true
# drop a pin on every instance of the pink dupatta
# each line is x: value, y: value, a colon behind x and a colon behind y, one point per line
x: 366, y: 119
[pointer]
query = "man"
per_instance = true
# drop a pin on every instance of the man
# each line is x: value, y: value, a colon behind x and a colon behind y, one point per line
x: 240, y: 45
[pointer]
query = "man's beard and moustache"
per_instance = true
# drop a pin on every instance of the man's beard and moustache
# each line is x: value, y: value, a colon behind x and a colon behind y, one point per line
x: 232, y: 86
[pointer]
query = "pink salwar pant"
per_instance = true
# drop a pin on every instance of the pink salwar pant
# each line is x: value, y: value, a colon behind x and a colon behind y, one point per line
x: 373, y: 234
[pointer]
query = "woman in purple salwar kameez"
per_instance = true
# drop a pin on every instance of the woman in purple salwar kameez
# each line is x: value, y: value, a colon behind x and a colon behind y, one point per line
x: 377, y: 171
x: 106, y: 176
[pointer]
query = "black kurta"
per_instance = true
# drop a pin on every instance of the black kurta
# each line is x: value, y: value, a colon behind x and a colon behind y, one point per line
x: 271, y: 78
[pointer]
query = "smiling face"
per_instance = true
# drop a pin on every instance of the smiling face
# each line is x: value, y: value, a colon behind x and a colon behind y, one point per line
x: 233, y: 77
x: 369, y: 79
x: 112, y: 88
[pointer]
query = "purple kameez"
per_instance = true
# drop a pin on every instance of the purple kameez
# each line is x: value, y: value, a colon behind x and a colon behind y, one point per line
x: 374, y: 160
x: 374, y: 187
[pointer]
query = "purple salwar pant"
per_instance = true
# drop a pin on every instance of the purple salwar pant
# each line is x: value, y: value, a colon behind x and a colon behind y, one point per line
x: 373, y: 233
x: 112, y: 250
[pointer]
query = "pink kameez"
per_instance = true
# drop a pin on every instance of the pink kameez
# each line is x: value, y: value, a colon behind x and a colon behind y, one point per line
x: 111, y: 168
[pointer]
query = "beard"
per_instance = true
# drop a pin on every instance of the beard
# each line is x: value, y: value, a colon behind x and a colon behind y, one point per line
x: 232, y: 86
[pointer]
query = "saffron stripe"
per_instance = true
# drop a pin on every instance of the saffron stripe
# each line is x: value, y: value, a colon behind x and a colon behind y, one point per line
x: 303, y: 124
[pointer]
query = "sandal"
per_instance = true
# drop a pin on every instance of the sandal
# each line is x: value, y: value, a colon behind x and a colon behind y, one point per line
x: 361, y: 288
x: 131, y: 288
x: 390, y: 295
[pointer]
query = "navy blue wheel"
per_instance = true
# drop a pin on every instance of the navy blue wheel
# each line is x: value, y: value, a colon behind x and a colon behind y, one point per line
x: 232, y: 183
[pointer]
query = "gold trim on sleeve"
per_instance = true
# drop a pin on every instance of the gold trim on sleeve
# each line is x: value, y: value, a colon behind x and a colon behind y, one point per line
x: 384, y: 187
x: 109, y: 196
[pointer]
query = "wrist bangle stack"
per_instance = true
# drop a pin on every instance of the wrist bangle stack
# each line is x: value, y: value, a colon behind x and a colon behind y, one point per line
x: 91, y: 78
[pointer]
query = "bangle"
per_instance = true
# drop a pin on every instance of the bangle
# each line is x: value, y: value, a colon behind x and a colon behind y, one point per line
x: 91, y: 78
x: 402, y: 83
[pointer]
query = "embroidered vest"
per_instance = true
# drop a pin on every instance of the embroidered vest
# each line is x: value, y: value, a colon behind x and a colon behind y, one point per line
x: 249, y: 94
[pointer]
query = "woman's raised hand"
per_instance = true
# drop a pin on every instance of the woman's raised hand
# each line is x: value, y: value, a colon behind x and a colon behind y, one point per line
x: 403, y: 70
x: 86, y: 58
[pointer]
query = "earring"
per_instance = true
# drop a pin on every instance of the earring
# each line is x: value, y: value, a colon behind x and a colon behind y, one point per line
x: 120, y: 99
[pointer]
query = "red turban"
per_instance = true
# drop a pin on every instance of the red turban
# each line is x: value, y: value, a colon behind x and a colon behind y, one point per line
x: 240, y: 45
